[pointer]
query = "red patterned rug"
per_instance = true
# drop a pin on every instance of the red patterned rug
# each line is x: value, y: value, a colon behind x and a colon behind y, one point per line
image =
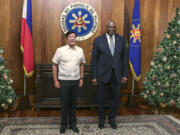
x: 127, y: 125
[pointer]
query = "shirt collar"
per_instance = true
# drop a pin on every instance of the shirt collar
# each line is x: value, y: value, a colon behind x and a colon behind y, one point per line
x: 108, y: 37
x: 74, y: 48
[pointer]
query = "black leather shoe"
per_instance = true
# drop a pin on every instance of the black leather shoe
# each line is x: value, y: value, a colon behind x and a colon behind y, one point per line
x: 113, y: 124
x: 74, y: 129
x: 62, y: 129
x: 101, y: 123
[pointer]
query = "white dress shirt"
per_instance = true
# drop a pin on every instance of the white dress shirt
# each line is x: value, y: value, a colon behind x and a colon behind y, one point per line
x: 69, y: 60
x: 109, y: 38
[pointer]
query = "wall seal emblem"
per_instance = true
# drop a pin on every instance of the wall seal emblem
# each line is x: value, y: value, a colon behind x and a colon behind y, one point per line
x: 81, y: 18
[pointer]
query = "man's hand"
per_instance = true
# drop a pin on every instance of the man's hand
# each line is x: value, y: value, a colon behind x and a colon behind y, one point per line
x: 81, y: 83
x: 56, y: 84
x: 94, y: 82
x: 124, y: 80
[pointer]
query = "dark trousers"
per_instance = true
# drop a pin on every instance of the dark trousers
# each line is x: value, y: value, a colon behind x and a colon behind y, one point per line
x: 113, y: 89
x: 68, y: 101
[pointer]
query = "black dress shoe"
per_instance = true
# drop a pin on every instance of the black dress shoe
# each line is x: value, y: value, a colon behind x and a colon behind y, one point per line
x: 101, y: 123
x: 62, y: 129
x: 74, y: 129
x: 113, y: 124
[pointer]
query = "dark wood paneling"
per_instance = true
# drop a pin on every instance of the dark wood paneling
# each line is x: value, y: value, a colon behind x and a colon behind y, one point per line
x: 147, y: 13
x: 118, y: 7
x: 47, y: 34
x: 10, y: 23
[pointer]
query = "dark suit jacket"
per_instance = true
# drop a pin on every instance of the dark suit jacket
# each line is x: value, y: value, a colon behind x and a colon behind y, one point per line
x: 102, y: 60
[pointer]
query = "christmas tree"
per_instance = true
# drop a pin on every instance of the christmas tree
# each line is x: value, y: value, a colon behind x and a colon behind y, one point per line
x: 7, y: 94
x: 162, y: 82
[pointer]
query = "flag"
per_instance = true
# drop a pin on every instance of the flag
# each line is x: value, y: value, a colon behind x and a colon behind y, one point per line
x: 135, y: 43
x: 26, y: 38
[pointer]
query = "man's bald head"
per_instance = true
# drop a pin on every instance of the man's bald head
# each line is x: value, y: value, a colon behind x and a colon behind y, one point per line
x: 110, y: 27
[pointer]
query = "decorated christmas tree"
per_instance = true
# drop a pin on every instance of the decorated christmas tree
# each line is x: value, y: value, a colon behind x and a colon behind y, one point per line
x: 7, y: 94
x: 162, y: 82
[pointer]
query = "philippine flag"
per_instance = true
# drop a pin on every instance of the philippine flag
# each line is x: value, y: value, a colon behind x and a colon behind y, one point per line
x: 26, y: 38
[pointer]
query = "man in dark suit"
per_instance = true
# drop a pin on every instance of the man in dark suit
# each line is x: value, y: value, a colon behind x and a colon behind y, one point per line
x: 109, y: 68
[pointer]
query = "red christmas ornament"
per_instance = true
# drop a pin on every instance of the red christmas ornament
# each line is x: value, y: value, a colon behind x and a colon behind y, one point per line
x: 4, y: 77
x: 159, y: 50
x: 172, y: 102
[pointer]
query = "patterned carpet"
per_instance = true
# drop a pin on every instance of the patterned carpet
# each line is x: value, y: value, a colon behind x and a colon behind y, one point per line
x: 127, y: 125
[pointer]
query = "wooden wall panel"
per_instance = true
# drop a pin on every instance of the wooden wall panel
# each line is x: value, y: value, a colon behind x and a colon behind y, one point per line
x: 165, y: 12
x: 10, y: 14
x: 47, y: 34
x: 118, y: 7
x: 147, y: 24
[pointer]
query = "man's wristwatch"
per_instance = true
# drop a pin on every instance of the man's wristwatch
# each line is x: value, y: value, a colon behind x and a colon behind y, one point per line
x: 81, y: 78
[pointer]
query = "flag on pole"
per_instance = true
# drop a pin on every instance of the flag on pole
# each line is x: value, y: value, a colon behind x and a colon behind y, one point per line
x: 135, y: 43
x: 26, y: 38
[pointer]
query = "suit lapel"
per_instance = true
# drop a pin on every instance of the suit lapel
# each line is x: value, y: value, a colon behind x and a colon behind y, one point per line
x: 117, y: 45
x: 106, y: 45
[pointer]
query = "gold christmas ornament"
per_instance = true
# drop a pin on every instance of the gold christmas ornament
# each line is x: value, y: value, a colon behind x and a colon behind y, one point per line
x: 1, y: 51
x: 11, y: 81
x: 168, y: 67
x: 178, y: 22
x: 9, y: 100
x: 167, y: 84
x: 1, y: 67
x: 161, y: 94
x: 152, y: 63
x: 154, y: 93
x: 147, y: 92
x: 174, y: 42
x: 158, y: 83
x: 162, y: 105
x: 175, y: 56
x: 178, y: 35
x: 145, y: 96
x: 164, y: 59
x: 2, y: 105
